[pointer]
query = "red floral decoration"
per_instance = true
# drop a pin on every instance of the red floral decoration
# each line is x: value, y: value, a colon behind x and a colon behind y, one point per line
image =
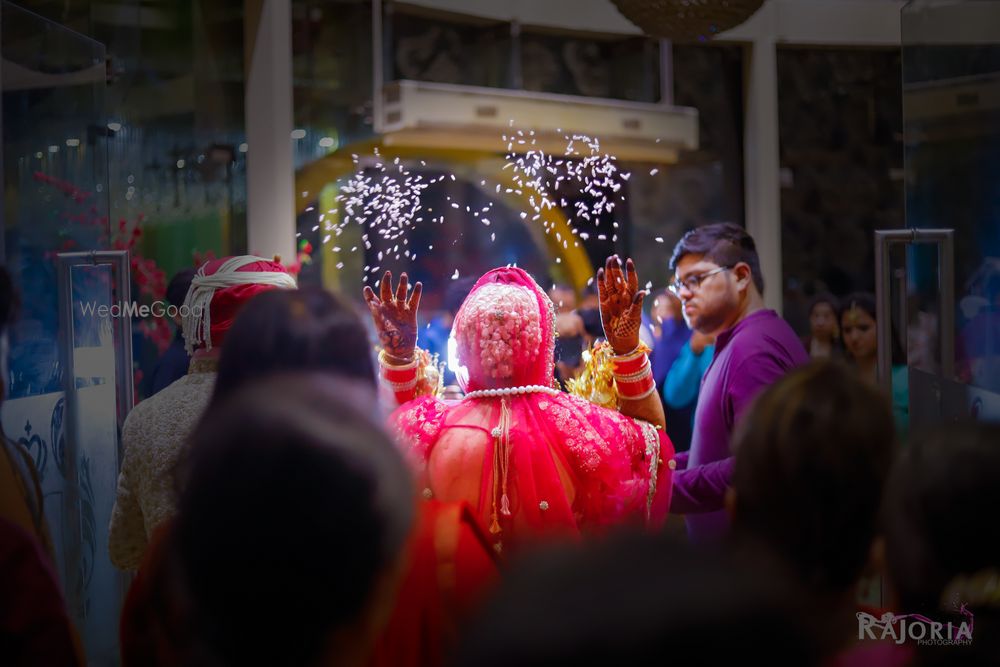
x: 149, y: 278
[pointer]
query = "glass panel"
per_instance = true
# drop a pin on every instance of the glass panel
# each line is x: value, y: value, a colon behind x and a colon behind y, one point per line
x: 841, y: 158
x: 56, y: 200
x: 94, y: 585
x: 176, y: 142
x: 332, y: 75
x: 951, y: 104
x: 55, y: 176
x: 704, y: 186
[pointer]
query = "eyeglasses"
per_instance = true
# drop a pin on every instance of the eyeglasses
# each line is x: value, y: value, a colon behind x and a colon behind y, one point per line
x: 693, y: 283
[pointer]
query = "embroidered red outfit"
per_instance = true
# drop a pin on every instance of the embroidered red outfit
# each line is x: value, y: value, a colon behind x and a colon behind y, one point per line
x: 530, y: 460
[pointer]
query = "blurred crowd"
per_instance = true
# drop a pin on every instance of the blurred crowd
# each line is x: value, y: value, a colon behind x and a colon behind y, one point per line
x: 271, y: 514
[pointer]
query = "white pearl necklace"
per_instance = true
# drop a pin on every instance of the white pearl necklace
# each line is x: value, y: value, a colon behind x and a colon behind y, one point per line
x: 511, y: 391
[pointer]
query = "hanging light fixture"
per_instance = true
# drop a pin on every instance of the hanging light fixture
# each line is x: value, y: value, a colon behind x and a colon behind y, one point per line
x: 687, y: 20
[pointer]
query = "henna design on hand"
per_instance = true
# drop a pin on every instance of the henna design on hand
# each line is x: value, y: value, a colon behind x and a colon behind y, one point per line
x: 395, y: 315
x: 621, y: 304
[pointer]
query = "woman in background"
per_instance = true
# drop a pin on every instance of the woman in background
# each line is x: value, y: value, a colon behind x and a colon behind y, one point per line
x: 859, y: 327
x: 823, y: 341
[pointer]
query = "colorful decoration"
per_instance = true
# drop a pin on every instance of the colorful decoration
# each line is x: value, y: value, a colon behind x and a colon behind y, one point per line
x: 303, y: 257
x: 148, y: 278
x: 596, y: 383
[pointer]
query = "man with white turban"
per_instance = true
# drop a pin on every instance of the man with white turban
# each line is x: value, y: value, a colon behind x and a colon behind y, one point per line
x: 157, y: 428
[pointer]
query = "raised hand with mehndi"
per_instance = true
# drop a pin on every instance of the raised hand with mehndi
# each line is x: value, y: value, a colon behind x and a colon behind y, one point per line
x: 395, y: 317
x: 621, y: 304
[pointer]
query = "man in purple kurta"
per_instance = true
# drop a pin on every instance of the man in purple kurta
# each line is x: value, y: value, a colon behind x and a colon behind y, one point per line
x: 719, y: 282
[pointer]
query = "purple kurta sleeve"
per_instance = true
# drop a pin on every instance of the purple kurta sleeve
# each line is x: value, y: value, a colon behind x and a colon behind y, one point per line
x: 681, y: 459
x: 702, y: 488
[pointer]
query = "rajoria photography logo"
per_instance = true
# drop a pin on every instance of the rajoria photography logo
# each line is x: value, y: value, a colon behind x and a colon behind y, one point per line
x: 133, y: 309
x: 917, y: 628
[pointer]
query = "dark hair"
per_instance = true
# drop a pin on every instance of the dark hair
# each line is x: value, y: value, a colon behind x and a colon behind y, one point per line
x: 812, y: 456
x: 866, y: 301
x: 592, y: 322
x: 179, y: 285
x: 939, y: 526
x: 934, y: 518
x: 827, y: 298
x: 295, y: 502
x: 723, y: 243
x: 288, y: 330
x: 637, y: 599
x: 861, y: 300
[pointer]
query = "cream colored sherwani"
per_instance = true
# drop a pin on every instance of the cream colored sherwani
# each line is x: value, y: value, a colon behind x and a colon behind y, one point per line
x: 152, y: 438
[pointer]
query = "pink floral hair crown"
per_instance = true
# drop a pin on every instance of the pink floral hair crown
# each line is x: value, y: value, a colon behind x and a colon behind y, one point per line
x: 498, y: 326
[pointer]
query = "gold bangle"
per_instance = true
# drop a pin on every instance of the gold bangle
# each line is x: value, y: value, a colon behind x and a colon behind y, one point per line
x: 383, y: 356
x: 640, y: 349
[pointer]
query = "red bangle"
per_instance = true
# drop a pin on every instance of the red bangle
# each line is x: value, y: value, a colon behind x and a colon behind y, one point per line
x: 637, y: 389
x: 394, y: 375
x: 636, y: 384
x: 629, y: 365
x: 403, y: 396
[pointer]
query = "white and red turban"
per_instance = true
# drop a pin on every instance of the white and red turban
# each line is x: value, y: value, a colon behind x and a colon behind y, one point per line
x: 219, y: 289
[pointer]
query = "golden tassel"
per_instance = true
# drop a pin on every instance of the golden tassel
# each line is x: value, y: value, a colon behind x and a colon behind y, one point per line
x: 505, y: 420
x: 501, y: 466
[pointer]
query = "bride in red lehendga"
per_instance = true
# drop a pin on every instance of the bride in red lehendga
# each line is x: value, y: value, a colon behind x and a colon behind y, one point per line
x: 531, y: 460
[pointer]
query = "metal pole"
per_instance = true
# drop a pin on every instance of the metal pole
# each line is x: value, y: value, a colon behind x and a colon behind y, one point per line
x: 946, y: 272
x: 904, y: 314
x: 515, y: 75
x: 883, y: 303
x: 126, y: 389
x: 944, y: 238
x: 666, y: 72
x: 378, y: 74
x: 72, y: 539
